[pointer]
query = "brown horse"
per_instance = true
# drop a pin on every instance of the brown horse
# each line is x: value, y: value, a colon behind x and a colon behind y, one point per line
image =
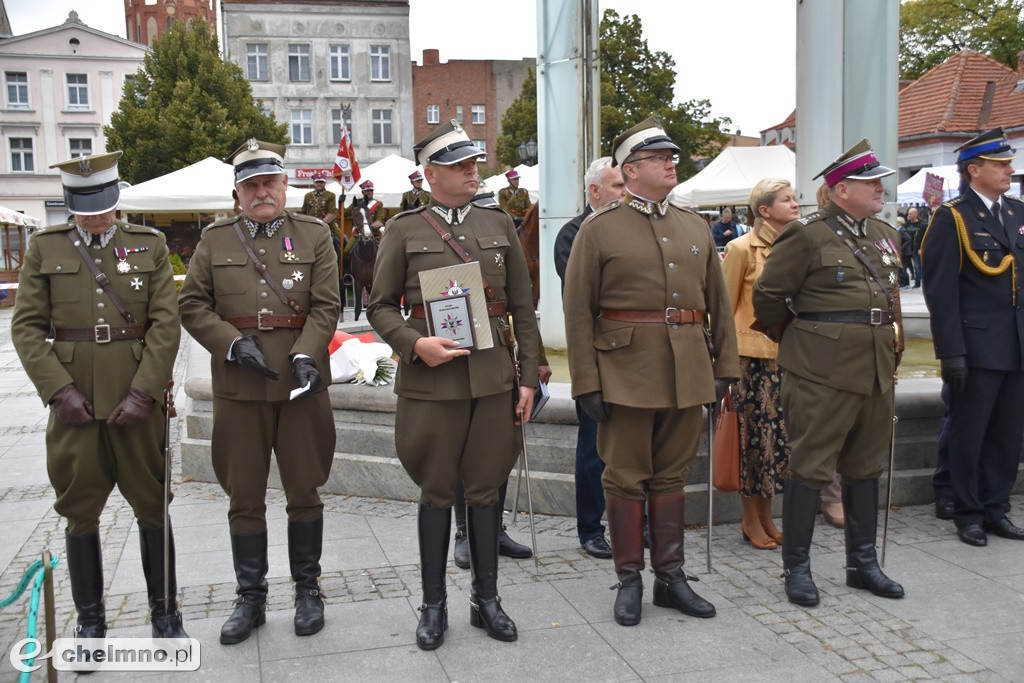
x: 529, y: 238
x: 362, y: 258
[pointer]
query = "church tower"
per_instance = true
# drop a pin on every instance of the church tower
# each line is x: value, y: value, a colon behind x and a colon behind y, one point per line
x: 146, y: 20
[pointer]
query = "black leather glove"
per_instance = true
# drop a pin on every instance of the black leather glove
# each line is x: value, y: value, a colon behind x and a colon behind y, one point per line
x: 721, y: 386
x: 133, y: 408
x: 71, y: 406
x: 954, y: 372
x: 248, y: 355
x: 304, y: 369
x: 593, y: 405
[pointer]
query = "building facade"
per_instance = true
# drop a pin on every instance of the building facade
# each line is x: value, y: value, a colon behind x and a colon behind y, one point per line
x: 146, y: 20
x: 60, y: 87
x: 320, y: 64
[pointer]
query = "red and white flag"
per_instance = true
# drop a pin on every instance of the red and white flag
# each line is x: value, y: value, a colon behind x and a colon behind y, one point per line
x: 346, y: 169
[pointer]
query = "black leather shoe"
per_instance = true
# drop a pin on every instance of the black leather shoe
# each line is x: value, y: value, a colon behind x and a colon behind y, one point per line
x: 972, y: 534
x: 628, y: 601
x: 309, y: 612
x: 598, y: 547
x: 1004, y: 528
x: 433, y: 623
x: 248, y: 615
x: 678, y: 595
x: 509, y: 548
x: 488, y: 615
x: 944, y: 507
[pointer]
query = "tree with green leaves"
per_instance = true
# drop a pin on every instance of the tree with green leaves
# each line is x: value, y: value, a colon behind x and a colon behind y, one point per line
x: 183, y: 105
x: 933, y: 30
x: 519, y: 122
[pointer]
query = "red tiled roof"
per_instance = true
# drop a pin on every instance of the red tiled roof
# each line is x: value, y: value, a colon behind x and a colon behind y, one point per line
x: 788, y: 123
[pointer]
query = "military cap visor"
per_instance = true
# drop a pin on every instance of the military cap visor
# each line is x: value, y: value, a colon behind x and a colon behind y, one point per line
x: 91, y: 183
x: 256, y: 158
x: 446, y: 146
x: 649, y: 138
x: 991, y: 145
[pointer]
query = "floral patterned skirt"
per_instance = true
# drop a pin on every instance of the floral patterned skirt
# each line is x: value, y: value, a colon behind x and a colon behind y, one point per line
x: 764, y: 445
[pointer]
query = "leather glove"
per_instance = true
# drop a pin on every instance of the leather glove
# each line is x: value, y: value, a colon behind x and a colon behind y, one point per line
x: 721, y: 386
x: 954, y: 372
x: 248, y: 355
x: 71, y: 406
x: 593, y: 405
x: 304, y: 369
x: 133, y: 408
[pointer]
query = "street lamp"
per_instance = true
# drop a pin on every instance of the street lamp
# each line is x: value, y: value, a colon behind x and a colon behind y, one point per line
x: 528, y: 152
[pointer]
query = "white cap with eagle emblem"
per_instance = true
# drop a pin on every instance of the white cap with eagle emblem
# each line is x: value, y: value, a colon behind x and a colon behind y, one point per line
x: 91, y: 183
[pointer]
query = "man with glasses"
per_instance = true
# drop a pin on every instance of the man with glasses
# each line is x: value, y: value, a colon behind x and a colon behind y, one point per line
x: 642, y: 282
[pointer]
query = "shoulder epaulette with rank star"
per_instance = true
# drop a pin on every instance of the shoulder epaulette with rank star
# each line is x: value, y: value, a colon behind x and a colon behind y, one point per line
x: 811, y: 217
x: 421, y: 207
x: 953, y: 202
x: 303, y: 218
x: 607, y: 207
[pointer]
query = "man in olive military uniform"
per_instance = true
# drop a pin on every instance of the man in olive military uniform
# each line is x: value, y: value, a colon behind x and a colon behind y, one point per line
x: 372, y: 209
x: 321, y: 203
x: 971, y: 253
x: 639, y: 307
x: 836, y: 270
x: 417, y: 196
x: 267, y: 331
x: 456, y: 408
x: 513, y: 199
x: 104, y: 376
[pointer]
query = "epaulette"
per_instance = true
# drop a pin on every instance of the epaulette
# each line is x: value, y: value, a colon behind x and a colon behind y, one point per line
x: 1012, y: 199
x: 953, y: 202
x: 57, y: 227
x: 138, y: 229
x: 684, y: 209
x: 603, y: 210
x: 303, y: 218
x: 227, y: 220
x: 493, y: 207
x: 811, y: 217
x: 422, y: 207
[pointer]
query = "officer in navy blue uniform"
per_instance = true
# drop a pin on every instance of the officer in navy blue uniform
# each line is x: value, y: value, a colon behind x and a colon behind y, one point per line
x: 971, y: 255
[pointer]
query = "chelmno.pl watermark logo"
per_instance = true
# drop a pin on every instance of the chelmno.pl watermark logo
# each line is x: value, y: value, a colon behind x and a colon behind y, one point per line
x: 109, y: 654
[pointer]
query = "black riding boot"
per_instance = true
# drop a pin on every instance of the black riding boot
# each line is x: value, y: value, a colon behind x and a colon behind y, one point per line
x: 85, y: 566
x: 305, y: 545
x: 506, y: 546
x: 250, y: 556
x: 164, y: 617
x: 667, y: 516
x: 625, y: 527
x: 860, y: 500
x: 799, y: 508
x: 461, y: 554
x: 434, y: 528
x: 485, y: 605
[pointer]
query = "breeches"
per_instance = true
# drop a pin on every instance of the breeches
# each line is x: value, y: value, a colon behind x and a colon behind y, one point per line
x: 301, y: 434
x: 443, y: 442
x: 648, y: 446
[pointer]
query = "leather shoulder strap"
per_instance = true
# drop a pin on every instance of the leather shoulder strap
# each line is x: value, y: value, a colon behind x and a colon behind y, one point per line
x: 262, y: 269
x: 101, y: 278
x: 859, y: 255
x: 466, y: 258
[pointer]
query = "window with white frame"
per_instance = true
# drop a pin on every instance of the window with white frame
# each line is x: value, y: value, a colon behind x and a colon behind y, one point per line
x: 380, y: 63
x: 17, y: 89
x: 21, y: 155
x: 298, y: 62
x: 433, y: 113
x: 477, y: 112
x: 79, y: 147
x: 302, y: 126
x: 78, y: 91
x: 257, y: 61
x: 340, y: 66
x: 458, y: 113
x: 339, y: 117
x: 380, y: 120
x: 481, y: 145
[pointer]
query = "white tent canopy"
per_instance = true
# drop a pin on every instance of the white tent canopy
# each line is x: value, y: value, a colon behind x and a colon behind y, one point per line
x: 390, y: 177
x: 529, y: 180
x: 730, y: 177
x: 12, y: 217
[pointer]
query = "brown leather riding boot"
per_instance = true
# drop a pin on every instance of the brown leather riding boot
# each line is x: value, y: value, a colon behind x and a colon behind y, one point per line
x: 666, y: 515
x: 625, y: 524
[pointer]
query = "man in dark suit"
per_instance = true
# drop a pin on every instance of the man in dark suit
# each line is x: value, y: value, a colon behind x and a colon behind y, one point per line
x: 971, y: 254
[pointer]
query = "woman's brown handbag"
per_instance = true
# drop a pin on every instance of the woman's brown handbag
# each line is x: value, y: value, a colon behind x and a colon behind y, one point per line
x: 725, y: 473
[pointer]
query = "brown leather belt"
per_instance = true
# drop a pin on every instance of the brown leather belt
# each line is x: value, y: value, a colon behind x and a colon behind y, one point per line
x: 267, y: 321
x: 101, y: 334
x: 668, y: 316
x: 495, y: 309
x: 876, y: 316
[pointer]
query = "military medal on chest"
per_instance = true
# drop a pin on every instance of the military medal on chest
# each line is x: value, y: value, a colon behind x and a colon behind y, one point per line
x: 122, y: 257
x: 289, y: 253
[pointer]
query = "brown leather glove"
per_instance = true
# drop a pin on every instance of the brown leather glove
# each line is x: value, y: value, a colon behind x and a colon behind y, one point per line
x: 71, y: 406
x: 133, y: 408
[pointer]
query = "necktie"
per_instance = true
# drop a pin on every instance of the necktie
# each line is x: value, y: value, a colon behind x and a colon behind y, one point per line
x: 995, y: 211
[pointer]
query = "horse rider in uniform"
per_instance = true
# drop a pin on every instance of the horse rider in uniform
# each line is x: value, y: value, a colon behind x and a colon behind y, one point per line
x: 640, y: 307
x: 267, y: 328
x: 107, y: 289
x: 513, y: 199
x: 374, y: 209
x: 971, y: 255
x: 836, y: 270
x: 456, y: 411
x: 417, y: 196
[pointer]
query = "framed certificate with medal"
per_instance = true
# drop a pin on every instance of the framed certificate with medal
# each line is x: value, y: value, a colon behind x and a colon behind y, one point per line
x: 450, y: 317
x: 449, y: 282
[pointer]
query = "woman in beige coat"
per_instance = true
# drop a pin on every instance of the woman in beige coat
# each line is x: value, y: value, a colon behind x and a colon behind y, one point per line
x: 764, y: 448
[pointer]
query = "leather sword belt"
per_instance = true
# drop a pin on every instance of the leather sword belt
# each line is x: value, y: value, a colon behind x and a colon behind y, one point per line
x: 876, y: 316
x: 267, y: 321
x: 495, y: 309
x: 668, y: 316
x: 101, y: 334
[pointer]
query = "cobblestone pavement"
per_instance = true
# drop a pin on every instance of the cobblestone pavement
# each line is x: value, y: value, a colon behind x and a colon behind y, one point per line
x: 961, y: 619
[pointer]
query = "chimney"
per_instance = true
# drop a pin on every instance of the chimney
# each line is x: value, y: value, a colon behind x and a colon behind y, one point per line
x: 431, y: 57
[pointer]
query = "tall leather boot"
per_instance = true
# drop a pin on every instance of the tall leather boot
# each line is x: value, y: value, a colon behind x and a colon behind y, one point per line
x: 250, y: 556
x: 667, y: 518
x: 85, y: 566
x: 434, y: 529
x: 485, y: 606
x: 461, y: 554
x: 164, y: 618
x: 305, y: 545
x: 625, y: 526
x: 799, y: 507
x: 860, y: 500
x: 506, y: 546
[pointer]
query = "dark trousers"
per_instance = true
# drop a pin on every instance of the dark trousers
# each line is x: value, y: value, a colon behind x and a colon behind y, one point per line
x: 984, y: 443
x: 589, y: 467
x: 916, y: 258
x: 942, y: 478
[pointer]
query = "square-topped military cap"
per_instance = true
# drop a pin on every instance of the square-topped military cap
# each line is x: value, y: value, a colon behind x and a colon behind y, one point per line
x: 991, y: 145
x: 856, y: 163
x: 446, y: 145
x: 91, y: 183
x: 255, y: 158
x: 646, y: 135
